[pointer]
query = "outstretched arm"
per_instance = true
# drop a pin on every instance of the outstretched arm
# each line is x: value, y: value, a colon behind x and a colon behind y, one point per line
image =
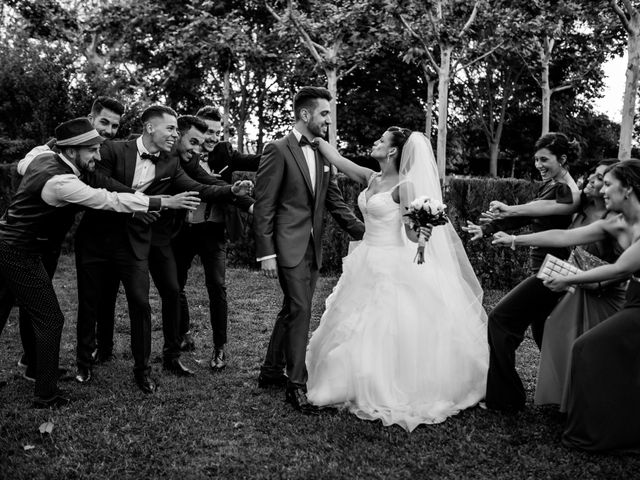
x: 352, y: 170
x: 555, y: 238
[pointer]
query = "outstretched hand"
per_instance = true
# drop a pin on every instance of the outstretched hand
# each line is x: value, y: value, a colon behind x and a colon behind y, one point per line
x: 502, y: 239
x: 242, y: 188
x: 474, y: 230
x: 146, y: 217
x: 184, y: 200
x: 497, y: 211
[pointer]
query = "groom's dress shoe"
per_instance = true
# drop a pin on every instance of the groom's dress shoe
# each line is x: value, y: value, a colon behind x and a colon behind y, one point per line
x: 297, y: 397
x: 272, y: 382
x: 146, y: 383
x: 176, y: 367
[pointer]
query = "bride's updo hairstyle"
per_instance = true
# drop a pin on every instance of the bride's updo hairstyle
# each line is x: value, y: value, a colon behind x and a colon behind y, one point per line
x: 559, y: 144
x: 399, y: 137
x: 628, y: 173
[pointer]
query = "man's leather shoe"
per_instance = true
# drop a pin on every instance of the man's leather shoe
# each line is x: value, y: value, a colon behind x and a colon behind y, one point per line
x: 22, y: 363
x: 272, y: 382
x: 146, y: 383
x: 58, y: 399
x: 297, y: 397
x: 218, y: 360
x: 187, y: 344
x: 84, y: 375
x: 176, y: 367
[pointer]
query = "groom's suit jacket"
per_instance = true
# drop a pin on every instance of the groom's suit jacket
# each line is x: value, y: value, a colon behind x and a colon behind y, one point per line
x: 288, y: 209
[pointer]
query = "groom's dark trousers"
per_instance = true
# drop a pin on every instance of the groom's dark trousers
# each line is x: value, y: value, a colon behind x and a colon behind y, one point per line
x: 291, y: 330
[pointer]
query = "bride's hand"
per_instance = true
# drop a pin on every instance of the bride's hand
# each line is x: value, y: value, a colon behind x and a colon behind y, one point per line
x: 474, y: 230
x: 426, y: 231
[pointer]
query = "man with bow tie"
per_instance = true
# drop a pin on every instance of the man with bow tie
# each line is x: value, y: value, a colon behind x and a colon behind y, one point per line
x: 293, y: 187
x: 204, y: 234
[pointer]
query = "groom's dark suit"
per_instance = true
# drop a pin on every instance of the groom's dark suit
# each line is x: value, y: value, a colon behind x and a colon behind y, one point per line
x: 288, y: 221
x: 115, y: 246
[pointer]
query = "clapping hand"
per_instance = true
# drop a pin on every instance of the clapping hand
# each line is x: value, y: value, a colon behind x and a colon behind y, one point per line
x: 474, y: 230
x: 497, y: 211
x: 242, y: 188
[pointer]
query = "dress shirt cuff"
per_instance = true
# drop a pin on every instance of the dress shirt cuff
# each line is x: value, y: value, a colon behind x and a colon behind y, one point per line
x: 155, y: 203
x: 267, y: 257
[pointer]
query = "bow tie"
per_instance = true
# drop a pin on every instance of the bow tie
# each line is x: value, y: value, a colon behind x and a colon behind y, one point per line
x: 305, y: 141
x: 147, y: 156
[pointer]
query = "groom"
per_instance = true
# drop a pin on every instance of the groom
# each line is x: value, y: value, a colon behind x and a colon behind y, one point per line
x: 293, y: 187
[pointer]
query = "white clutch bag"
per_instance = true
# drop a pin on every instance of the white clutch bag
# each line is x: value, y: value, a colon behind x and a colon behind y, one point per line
x: 553, y: 266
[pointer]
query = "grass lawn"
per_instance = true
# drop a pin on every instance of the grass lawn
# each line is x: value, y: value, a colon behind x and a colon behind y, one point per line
x: 222, y: 426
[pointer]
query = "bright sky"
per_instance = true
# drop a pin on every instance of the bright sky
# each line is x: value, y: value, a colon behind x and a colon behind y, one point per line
x: 611, y: 103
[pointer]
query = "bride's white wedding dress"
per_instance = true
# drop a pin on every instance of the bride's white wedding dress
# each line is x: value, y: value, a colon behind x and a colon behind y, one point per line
x: 400, y: 342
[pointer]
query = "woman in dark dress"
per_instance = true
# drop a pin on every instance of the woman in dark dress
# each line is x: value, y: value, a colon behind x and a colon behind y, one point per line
x: 557, y: 200
x: 588, y: 305
x: 603, y: 408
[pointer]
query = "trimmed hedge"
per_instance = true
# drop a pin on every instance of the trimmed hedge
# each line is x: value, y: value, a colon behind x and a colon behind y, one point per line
x: 497, y: 268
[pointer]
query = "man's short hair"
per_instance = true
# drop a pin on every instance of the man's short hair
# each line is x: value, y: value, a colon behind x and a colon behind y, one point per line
x: 209, y: 113
x: 156, y: 111
x: 185, y: 122
x: 108, y: 103
x: 307, y: 98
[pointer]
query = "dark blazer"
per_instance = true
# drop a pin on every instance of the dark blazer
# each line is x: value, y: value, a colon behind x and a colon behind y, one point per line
x: 119, y: 162
x: 286, y: 208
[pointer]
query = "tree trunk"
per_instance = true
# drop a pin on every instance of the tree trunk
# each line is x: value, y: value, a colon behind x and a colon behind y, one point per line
x: 428, y: 120
x: 494, y: 150
x: 443, y: 100
x: 630, y: 89
x: 546, y: 94
x: 226, y: 101
x: 332, y: 86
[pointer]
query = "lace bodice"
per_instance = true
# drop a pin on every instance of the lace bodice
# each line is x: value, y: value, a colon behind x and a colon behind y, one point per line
x: 382, y: 219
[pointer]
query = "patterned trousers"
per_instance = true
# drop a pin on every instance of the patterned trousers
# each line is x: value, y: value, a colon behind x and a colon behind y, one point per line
x: 23, y: 275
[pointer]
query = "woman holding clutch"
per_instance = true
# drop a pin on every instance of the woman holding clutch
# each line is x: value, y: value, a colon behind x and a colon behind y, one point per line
x: 558, y: 198
x: 604, y: 393
x: 589, y: 304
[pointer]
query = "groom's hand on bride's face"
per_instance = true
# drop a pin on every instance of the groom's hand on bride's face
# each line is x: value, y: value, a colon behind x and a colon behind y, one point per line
x: 269, y: 267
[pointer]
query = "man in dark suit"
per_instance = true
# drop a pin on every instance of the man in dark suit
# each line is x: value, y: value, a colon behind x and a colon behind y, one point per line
x: 293, y: 187
x: 162, y: 260
x: 203, y: 234
x: 108, y: 245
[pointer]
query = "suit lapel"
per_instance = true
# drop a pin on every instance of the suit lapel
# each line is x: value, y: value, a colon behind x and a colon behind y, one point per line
x: 130, y: 159
x: 300, y: 159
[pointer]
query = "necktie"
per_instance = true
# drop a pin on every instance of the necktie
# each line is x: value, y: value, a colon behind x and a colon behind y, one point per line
x: 148, y: 156
x: 305, y: 141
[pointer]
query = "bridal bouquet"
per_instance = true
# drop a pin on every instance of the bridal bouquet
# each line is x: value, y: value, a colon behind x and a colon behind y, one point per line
x: 421, y: 212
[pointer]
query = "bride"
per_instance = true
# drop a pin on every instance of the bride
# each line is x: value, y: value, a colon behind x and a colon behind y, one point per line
x: 400, y: 342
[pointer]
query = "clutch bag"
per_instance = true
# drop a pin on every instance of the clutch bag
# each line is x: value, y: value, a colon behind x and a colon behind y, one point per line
x: 584, y: 260
x: 553, y: 266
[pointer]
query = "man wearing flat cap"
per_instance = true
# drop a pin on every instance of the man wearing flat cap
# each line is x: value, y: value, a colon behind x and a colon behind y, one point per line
x: 46, y: 199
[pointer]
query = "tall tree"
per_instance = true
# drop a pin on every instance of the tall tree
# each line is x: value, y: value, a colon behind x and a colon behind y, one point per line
x: 338, y: 34
x: 628, y: 14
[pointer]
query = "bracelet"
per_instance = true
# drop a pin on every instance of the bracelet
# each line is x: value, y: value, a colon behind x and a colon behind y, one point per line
x: 513, y: 242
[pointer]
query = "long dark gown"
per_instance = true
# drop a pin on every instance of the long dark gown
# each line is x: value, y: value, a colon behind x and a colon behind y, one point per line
x: 603, y: 405
x: 576, y: 313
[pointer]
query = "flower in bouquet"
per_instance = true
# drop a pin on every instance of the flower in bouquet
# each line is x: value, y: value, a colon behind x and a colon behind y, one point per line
x: 421, y: 212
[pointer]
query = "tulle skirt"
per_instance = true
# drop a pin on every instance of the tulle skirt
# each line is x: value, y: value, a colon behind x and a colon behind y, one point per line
x: 400, y: 342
